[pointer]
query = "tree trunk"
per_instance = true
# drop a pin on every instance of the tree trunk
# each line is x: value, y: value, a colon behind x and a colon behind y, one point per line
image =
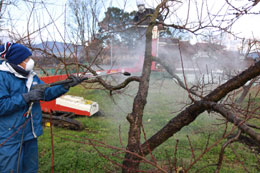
x: 131, y: 162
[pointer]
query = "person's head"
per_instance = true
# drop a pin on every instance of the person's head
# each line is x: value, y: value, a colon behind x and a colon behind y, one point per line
x: 140, y: 5
x: 17, y: 54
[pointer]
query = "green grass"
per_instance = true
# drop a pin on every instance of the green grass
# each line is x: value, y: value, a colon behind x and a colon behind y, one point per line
x: 165, y: 100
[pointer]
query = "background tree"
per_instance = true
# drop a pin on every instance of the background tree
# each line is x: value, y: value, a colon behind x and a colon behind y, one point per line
x: 4, y: 6
x: 85, y: 17
x: 118, y: 25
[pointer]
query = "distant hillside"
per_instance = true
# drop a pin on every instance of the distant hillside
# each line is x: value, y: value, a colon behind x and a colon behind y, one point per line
x: 58, y: 48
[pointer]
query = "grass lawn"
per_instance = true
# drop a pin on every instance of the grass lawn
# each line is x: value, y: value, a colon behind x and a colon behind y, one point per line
x: 73, y: 150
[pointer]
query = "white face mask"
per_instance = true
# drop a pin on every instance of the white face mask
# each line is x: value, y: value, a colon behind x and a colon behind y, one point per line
x: 141, y: 8
x: 29, y: 65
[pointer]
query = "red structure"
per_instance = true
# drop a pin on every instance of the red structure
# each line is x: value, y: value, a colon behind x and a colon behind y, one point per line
x: 52, y: 106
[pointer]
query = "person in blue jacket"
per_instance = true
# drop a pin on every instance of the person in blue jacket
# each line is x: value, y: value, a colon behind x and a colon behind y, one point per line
x: 19, y: 127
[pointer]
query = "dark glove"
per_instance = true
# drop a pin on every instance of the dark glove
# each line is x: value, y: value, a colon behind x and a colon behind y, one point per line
x: 74, y: 81
x: 34, y: 95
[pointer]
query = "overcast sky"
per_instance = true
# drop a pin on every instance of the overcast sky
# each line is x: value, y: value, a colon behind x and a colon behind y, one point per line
x: 247, y: 26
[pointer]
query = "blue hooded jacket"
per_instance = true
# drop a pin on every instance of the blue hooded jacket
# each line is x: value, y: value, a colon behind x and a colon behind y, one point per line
x: 13, y: 107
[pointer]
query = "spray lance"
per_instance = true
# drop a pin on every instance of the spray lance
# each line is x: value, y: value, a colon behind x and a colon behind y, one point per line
x: 82, y: 78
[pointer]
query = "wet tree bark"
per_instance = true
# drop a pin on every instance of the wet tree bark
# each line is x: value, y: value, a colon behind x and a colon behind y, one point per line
x: 131, y: 162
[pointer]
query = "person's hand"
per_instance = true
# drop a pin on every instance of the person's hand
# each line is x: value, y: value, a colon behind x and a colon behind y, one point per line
x: 34, y: 95
x: 74, y: 81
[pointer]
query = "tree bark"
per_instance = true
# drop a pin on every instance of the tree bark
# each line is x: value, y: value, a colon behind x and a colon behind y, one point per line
x: 241, y: 124
x: 131, y: 162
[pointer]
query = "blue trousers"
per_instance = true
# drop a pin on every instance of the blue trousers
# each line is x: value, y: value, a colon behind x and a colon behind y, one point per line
x: 28, y: 158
